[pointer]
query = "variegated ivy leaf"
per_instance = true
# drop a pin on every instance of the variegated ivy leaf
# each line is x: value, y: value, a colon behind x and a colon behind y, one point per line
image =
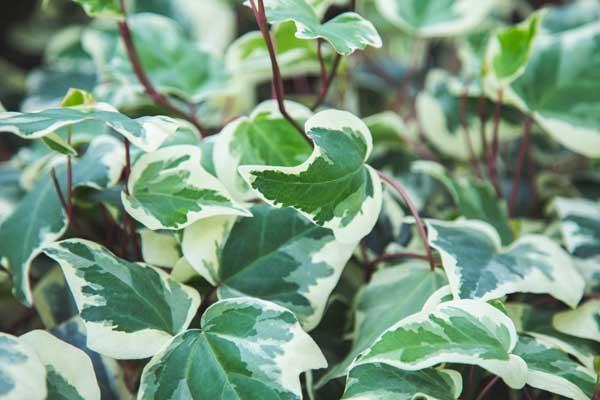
x: 509, y: 50
x: 247, y: 349
x: 383, y: 382
x: 479, y: 268
x: 169, y: 189
x: 130, y: 310
x: 537, y: 322
x: 552, y: 370
x: 346, y: 32
x: 160, y: 248
x: 561, y: 94
x: 173, y: 63
x: 290, y: 261
x: 563, y: 17
x: 334, y: 187
x: 475, y: 199
x: 99, y: 168
x: 263, y: 138
x: 101, y: 8
x: 459, y: 331
x: 579, y: 226
x: 583, y: 322
x: 435, y: 18
x: 69, y: 371
x: 22, y: 374
x: 145, y: 132
x: 393, y: 294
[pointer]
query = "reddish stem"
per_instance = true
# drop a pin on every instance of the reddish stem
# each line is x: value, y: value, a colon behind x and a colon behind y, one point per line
x: 482, y: 124
x: 140, y: 73
x: 420, y: 226
x: 261, y: 20
x: 69, y: 180
x: 467, y: 131
x: 493, y: 156
x: 487, y: 388
x: 523, y: 150
x: 59, y: 193
x: 129, y: 225
x: 325, y: 78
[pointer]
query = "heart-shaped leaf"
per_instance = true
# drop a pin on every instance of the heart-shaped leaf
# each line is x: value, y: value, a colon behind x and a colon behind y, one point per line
x: 22, y: 374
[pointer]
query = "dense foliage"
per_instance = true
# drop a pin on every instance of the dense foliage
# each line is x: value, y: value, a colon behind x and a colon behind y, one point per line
x: 303, y: 199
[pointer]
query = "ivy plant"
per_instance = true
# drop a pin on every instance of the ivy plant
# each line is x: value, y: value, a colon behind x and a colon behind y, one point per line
x: 301, y: 199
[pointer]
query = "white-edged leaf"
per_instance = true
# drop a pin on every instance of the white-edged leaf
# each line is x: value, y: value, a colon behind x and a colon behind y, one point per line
x: 247, y: 349
x: 583, y: 322
x: 579, y: 226
x: 334, y: 187
x: 130, y: 310
x: 22, y: 374
x: 159, y: 248
x: 478, y: 267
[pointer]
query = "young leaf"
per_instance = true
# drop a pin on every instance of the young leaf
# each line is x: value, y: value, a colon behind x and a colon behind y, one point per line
x: 509, y: 50
x: 579, y: 226
x: 383, y: 382
x: 263, y: 138
x: 146, y: 132
x: 169, y: 189
x: 69, y: 371
x: 479, y: 268
x: 159, y: 248
x: 334, y: 187
x: 552, y: 370
x: 460, y: 331
x: 22, y: 374
x: 475, y: 199
x: 346, y: 32
x: 101, y: 8
x: 99, y: 168
x: 130, y: 310
x: 435, y: 18
x: 393, y: 294
x: 559, y: 88
x: 247, y: 349
x: 290, y: 261
x: 583, y: 322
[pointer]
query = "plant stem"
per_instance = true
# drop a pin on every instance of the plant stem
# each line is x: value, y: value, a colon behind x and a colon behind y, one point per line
x: 482, y: 123
x: 325, y: 79
x: 395, y: 256
x: 128, y: 224
x: 523, y: 150
x: 261, y: 20
x: 467, y: 131
x: 69, y: 180
x: 493, y: 155
x: 59, y: 193
x: 140, y: 73
x: 487, y: 388
x: 420, y: 226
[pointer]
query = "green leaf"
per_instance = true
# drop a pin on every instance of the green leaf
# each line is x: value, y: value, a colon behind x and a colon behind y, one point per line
x: 290, y: 261
x: 334, y: 187
x: 346, y: 32
x: 460, y: 331
x: 393, y: 294
x: 70, y: 374
x: 99, y: 168
x: 559, y: 88
x: 509, y: 50
x: 22, y: 375
x: 263, y: 138
x: 383, y: 382
x: 435, y: 18
x: 537, y: 322
x: 169, y: 189
x: 130, y: 310
x: 101, y: 8
x: 570, y: 15
x: 247, y: 349
x: 475, y: 199
x: 58, y: 144
x: 146, y: 132
x: 579, y: 226
x: 583, y: 322
x: 479, y: 268
x: 159, y: 248
x: 552, y: 370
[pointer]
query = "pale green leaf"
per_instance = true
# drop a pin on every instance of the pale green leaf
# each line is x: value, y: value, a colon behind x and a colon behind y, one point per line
x: 383, y: 382
x: 69, y: 371
x: 22, y: 374
x: 346, y: 32
x: 101, y: 8
x: 570, y: 15
x: 247, y: 349
x: 99, y: 168
x: 290, y: 261
x: 334, y: 187
x: 159, y: 248
x: 460, y: 331
x: 169, y: 189
x: 583, y: 322
x: 478, y: 267
x: 130, y: 310
x: 552, y: 370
